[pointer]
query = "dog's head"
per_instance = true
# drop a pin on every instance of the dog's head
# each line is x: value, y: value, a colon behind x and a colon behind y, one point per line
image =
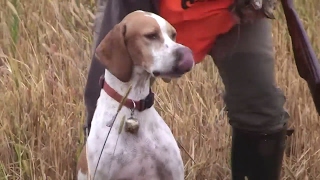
x: 146, y: 40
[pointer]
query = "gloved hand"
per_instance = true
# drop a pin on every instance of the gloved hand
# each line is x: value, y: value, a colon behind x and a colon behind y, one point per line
x: 249, y: 10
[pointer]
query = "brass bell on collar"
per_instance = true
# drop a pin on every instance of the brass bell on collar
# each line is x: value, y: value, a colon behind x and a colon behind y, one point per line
x: 131, y: 125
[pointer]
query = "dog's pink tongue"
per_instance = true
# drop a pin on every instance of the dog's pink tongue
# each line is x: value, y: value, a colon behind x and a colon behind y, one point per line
x: 187, y: 61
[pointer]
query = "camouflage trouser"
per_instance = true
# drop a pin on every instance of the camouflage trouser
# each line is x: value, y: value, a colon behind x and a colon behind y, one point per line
x: 245, y: 59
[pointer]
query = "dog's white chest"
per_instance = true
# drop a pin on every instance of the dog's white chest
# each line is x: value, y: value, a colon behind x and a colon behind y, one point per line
x: 151, y: 154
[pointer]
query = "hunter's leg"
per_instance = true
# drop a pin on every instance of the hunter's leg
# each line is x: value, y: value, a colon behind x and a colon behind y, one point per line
x: 245, y: 60
x: 96, y: 69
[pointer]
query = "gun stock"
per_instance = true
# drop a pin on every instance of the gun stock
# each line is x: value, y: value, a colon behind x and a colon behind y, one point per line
x: 304, y: 55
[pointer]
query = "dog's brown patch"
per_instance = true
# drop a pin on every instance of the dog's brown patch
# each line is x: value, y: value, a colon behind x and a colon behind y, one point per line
x: 82, y: 161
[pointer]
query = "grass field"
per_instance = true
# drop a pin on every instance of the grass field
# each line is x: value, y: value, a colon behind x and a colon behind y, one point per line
x: 44, y: 57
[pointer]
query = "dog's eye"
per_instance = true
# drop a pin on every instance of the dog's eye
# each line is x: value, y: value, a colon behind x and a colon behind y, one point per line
x: 173, y: 36
x: 151, y: 36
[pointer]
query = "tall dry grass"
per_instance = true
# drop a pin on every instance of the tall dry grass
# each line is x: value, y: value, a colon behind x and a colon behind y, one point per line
x: 44, y: 57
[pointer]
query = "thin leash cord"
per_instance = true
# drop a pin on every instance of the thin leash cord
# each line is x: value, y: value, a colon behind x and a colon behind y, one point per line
x: 104, y: 144
x: 112, y: 123
x: 115, y: 147
x: 119, y: 132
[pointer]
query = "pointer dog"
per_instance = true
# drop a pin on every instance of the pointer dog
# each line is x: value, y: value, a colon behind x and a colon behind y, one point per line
x: 141, y: 46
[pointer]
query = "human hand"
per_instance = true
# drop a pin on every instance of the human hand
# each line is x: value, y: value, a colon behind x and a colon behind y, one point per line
x: 247, y: 11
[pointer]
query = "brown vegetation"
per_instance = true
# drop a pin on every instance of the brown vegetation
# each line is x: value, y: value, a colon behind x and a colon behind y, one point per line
x: 44, y: 56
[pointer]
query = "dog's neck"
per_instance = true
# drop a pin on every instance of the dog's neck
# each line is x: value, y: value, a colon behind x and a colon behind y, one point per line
x: 140, y: 82
x: 107, y: 106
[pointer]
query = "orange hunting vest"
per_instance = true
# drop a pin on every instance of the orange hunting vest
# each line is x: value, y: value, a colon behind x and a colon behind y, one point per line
x: 199, y: 25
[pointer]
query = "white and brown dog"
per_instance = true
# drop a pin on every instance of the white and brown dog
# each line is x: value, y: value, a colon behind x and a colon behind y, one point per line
x: 142, y: 45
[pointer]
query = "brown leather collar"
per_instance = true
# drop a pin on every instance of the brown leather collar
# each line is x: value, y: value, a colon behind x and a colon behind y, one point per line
x: 141, y: 105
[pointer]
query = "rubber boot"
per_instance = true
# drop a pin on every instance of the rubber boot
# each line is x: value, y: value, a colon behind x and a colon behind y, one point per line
x: 257, y: 156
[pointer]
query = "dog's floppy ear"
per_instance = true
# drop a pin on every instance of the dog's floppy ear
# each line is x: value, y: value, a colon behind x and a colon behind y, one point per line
x: 112, y: 52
